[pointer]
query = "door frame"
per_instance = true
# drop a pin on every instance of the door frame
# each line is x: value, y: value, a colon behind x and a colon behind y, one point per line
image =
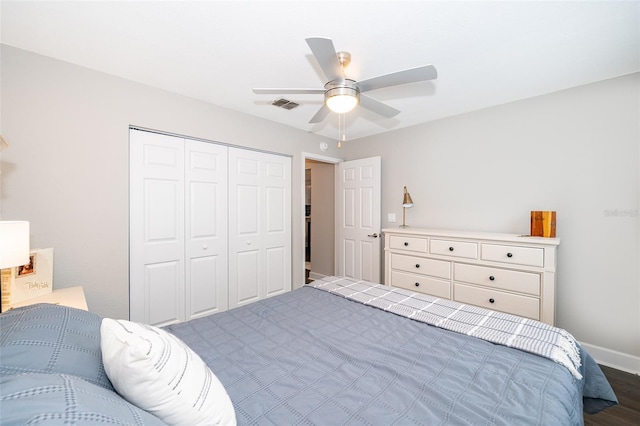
x: 301, y: 219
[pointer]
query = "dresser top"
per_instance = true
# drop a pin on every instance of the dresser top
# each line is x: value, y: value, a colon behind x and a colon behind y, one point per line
x: 476, y: 235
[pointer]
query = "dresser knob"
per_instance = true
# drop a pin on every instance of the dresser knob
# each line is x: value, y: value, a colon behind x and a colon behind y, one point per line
x: 492, y: 300
x: 417, y: 265
x: 406, y: 244
x: 450, y: 248
x: 509, y: 254
x: 492, y: 278
x: 417, y: 284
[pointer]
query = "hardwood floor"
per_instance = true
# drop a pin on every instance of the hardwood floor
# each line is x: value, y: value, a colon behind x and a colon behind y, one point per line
x: 627, y: 389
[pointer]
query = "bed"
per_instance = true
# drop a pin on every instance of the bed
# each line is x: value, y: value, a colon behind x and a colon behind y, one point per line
x: 312, y: 356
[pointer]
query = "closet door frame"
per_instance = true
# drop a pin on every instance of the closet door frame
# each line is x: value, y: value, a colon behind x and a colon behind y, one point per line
x: 200, y: 274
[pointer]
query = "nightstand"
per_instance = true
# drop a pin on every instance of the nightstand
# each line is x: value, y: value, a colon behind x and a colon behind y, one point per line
x: 72, y: 296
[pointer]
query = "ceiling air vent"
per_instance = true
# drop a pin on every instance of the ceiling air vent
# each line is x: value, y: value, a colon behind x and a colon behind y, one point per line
x: 285, y: 103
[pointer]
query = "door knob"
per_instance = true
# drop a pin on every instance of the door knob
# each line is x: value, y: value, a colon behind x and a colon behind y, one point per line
x: 373, y: 235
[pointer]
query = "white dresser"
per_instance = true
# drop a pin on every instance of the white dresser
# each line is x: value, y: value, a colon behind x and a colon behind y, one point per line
x: 503, y: 272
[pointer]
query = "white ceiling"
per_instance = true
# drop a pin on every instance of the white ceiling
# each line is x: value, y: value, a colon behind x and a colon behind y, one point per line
x: 486, y: 53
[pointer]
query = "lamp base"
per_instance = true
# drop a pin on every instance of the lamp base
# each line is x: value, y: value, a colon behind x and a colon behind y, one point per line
x: 403, y: 226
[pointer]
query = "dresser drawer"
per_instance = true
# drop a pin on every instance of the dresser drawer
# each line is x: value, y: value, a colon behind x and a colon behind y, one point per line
x: 529, y: 256
x: 416, y: 244
x: 524, y: 306
x: 522, y: 282
x: 421, y: 284
x: 463, y: 249
x: 419, y: 265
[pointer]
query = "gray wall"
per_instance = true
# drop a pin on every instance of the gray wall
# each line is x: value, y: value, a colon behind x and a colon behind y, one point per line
x: 576, y: 152
x: 67, y: 167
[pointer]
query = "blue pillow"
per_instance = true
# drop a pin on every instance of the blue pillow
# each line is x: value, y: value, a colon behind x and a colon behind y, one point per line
x: 55, y: 399
x: 47, y: 338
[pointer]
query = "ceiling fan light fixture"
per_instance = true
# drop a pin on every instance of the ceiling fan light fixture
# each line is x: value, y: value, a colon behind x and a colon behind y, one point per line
x: 342, y: 103
x: 341, y: 97
x: 342, y: 94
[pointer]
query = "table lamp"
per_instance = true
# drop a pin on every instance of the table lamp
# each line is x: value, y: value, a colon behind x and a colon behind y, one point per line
x: 406, y: 203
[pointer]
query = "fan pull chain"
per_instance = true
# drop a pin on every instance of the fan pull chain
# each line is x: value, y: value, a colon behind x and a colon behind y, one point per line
x: 341, y: 132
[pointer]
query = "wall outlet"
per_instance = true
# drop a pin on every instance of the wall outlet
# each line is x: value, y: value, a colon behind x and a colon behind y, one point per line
x: 391, y: 218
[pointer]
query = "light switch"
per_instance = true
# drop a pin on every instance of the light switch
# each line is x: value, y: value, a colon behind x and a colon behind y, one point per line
x: 391, y: 218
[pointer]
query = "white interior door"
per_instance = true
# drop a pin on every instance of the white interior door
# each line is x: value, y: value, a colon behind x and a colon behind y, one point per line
x: 156, y: 228
x: 205, y: 228
x: 358, y: 209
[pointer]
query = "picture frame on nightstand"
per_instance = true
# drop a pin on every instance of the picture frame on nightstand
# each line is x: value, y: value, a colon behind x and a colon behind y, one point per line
x: 33, y: 279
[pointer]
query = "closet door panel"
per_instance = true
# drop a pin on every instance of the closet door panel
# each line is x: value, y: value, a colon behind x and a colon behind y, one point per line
x: 276, y: 234
x: 162, y: 231
x: 156, y: 228
x: 206, y: 230
x: 162, y: 293
x: 247, y: 209
x: 245, y: 223
x: 275, y: 217
x: 247, y: 273
x: 244, y: 246
x: 276, y: 261
x: 205, y: 295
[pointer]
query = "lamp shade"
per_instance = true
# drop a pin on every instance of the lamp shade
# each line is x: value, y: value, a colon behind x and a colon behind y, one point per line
x: 341, y: 98
x: 406, y: 200
x: 342, y: 103
x: 14, y: 243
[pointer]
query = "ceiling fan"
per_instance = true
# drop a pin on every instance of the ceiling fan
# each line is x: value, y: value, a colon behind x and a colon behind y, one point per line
x: 342, y: 94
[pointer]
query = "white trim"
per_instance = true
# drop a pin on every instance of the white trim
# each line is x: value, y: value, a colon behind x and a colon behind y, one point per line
x: 613, y: 359
x: 322, y: 158
x: 316, y: 276
x: 177, y: 135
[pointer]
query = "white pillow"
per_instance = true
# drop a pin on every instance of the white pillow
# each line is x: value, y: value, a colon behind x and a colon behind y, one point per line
x: 156, y: 371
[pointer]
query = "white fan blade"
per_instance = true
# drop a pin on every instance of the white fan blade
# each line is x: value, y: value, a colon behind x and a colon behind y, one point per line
x: 320, y: 115
x: 412, y: 75
x: 378, y: 107
x: 276, y: 91
x: 325, y: 54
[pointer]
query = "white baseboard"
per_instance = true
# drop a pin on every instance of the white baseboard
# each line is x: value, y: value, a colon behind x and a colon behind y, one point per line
x: 316, y: 276
x: 613, y: 359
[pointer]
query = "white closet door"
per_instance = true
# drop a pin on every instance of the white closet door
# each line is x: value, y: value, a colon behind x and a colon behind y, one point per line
x: 259, y: 225
x: 276, y: 233
x: 206, y: 228
x: 157, y: 284
x: 210, y: 227
x: 245, y: 266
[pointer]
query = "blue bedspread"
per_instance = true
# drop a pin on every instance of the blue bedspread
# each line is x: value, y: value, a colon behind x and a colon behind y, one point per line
x: 310, y: 357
